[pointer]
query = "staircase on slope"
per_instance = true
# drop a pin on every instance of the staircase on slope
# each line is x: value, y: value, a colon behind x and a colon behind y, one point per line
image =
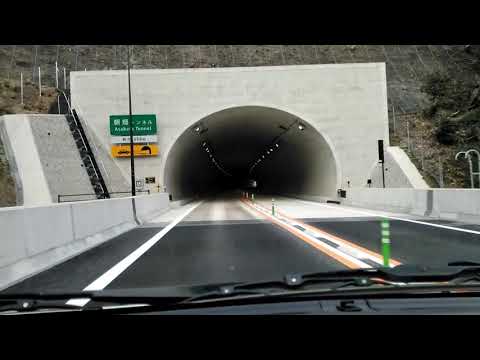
x: 88, y: 159
x: 83, y: 146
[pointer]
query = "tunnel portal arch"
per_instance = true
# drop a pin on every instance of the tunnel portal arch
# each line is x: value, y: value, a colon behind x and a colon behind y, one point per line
x: 283, y: 152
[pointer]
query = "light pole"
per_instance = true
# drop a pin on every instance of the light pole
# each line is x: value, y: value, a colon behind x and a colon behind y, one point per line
x: 132, y: 161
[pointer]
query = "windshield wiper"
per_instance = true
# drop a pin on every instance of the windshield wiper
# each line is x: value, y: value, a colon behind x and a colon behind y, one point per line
x: 401, y: 276
x: 463, y: 263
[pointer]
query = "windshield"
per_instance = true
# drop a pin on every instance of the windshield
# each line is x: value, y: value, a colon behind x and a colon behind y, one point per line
x: 249, y: 163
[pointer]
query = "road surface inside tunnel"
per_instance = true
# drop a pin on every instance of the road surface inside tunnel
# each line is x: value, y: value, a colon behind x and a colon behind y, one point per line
x: 229, y: 239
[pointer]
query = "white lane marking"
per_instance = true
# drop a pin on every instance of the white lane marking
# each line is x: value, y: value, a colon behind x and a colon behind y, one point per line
x: 395, y: 218
x: 124, y: 306
x: 116, y: 270
x: 302, y: 212
x: 344, y: 255
x: 78, y: 302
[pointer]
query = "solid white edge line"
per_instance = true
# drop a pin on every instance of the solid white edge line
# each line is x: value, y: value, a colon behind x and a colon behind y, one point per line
x: 105, y: 279
x: 394, y: 218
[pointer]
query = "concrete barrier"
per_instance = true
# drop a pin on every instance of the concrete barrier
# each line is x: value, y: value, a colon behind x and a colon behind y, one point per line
x: 36, y: 238
x: 457, y: 204
x: 451, y: 204
x: 148, y: 209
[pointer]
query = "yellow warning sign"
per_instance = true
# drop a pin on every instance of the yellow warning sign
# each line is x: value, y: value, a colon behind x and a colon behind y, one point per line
x: 138, y: 150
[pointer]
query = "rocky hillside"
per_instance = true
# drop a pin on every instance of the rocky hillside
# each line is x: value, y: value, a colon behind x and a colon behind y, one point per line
x: 407, y: 65
x: 432, y: 89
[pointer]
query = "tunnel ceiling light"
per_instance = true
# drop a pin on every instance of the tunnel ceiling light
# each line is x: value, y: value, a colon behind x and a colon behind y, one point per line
x: 271, y: 150
x: 197, y: 128
x: 277, y: 145
x: 301, y: 127
x: 263, y: 156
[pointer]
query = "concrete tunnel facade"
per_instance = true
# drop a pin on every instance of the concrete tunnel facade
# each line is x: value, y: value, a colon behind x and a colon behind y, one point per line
x: 342, y: 107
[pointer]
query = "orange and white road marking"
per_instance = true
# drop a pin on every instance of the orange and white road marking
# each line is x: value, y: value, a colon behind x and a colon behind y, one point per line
x: 349, y: 254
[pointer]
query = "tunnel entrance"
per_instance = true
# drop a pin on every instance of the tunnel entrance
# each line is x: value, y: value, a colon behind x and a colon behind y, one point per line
x: 236, y: 147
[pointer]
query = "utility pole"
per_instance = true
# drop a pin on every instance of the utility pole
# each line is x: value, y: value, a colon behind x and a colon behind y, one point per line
x: 39, y: 82
x: 56, y: 74
x: 408, y: 135
x: 440, y: 173
x: 394, y: 122
x: 132, y: 161
x: 21, y: 87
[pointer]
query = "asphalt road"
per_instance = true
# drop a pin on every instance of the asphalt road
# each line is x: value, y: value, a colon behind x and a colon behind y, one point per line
x: 226, y: 239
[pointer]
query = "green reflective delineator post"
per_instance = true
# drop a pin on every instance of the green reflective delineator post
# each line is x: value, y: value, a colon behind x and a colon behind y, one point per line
x: 252, y: 197
x: 385, y: 225
x: 273, y: 207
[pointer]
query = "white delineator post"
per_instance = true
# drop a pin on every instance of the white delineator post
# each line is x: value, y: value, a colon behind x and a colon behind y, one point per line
x: 39, y: 81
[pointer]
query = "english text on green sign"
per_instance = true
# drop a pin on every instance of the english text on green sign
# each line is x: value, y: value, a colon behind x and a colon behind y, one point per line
x: 142, y: 125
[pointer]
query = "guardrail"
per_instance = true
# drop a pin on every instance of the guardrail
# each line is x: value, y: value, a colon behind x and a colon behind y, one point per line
x: 94, y: 196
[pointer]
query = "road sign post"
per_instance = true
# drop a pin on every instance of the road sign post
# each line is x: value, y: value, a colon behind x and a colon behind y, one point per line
x: 381, y: 159
x: 385, y: 226
x: 130, y: 123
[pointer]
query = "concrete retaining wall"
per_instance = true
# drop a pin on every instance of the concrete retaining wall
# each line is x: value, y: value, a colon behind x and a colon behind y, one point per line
x: 60, y: 160
x: 452, y: 204
x: 400, y: 172
x: 28, y: 171
x: 36, y: 238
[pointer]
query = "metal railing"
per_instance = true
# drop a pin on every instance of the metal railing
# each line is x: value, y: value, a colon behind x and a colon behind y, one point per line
x: 94, y: 196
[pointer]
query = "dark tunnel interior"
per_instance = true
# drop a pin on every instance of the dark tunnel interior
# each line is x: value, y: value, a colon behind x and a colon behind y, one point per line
x: 231, y: 148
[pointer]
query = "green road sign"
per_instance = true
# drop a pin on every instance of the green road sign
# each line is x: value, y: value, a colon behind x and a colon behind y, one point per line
x: 142, y: 125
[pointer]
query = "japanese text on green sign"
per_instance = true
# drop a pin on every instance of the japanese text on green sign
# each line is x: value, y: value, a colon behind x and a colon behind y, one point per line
x: 142, y: 125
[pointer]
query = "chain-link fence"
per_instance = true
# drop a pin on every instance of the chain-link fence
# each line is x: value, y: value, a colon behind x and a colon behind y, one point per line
x: 406, y: 64
x: 437, y: 164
